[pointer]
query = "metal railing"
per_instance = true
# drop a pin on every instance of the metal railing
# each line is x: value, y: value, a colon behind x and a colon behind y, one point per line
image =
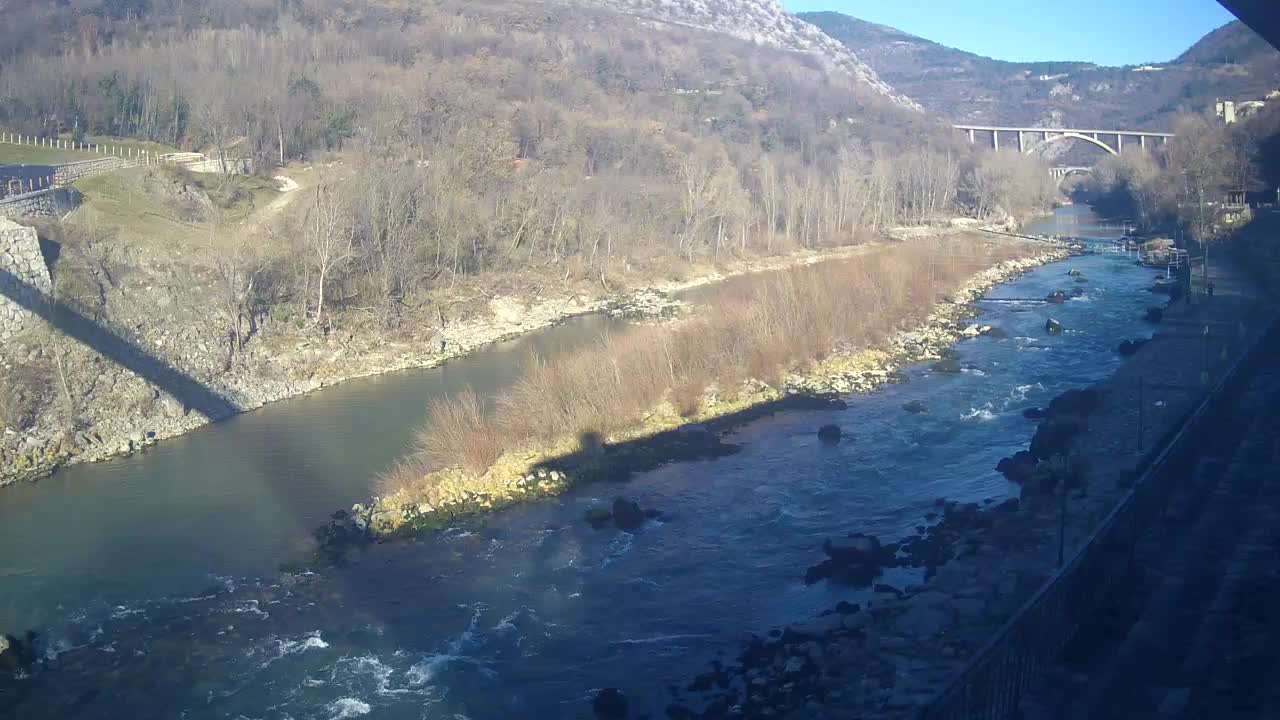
x: 991, y: 683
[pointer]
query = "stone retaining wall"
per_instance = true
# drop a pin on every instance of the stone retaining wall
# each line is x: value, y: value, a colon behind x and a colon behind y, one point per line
x: 54, y: 203
x: 20, y: 257
x: 71, y: 172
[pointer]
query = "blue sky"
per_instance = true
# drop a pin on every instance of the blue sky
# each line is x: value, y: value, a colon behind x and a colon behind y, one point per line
x: 1108, y: 32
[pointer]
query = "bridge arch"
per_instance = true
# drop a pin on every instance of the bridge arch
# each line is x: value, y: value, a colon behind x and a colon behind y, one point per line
x: 1062, y: 174
x: 1037, y: 147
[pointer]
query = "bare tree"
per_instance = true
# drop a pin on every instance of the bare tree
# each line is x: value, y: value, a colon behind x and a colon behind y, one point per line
x: 1197, y: 161
x: 330, y: 239
x: 239, y: 262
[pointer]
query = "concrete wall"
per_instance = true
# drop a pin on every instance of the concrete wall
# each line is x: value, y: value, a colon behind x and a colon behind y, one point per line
x: 20, y: 257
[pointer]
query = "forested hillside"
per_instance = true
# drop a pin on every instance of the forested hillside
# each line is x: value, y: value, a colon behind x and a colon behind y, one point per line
x: 1231, y: 63
x: 484, y: 135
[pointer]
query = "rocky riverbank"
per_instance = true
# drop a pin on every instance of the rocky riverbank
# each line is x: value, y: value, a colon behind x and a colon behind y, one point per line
x: 887, y: 657
x: 118, y: 412
x: 666, y: 433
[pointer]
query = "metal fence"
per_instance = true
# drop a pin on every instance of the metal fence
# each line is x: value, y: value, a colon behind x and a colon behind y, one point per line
x: 990, y: 685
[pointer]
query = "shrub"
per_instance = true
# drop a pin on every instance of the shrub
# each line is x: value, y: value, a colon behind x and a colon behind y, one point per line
x: 24, y: 391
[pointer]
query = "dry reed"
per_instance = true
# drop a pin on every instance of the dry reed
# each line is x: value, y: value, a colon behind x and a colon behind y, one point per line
x: 753, y: 327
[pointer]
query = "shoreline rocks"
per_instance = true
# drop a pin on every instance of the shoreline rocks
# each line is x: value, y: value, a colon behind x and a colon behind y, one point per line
x: 842, y: 373
x: 830, y: 434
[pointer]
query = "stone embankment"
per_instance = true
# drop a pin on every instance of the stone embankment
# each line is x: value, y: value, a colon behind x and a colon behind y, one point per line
x: 887, y: 657
x: 452, y: 493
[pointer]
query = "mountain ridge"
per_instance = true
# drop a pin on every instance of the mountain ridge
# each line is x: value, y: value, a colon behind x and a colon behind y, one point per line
x: 765, y: 22
x: 1231, y: 62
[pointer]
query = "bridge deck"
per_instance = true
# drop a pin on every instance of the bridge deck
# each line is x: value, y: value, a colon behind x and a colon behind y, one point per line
x: 1001, y: 128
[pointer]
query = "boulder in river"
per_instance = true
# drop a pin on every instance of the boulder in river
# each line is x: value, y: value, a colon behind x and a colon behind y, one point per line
x: 1018, y: 468
x: 1053, y: 326
x: 1082, y: 279
x: 915, y: 407
x: 609, y: 704
x: 994, y: 331
x: 1077, y: 292
x: 947, y: 365
x: 830, y: 434
x: 854, y: 548
x: 627, y: 514
x: 1073, y: 272
x: 1035, y: 413
x: 598, y: 516
x: 1053, y: 436
x: 17, y: 656
x: 853, y: 560
x: 1057, y: 297
x: 1129, y: 348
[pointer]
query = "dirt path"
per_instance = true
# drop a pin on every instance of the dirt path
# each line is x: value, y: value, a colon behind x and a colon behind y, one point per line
x: 257, y: 220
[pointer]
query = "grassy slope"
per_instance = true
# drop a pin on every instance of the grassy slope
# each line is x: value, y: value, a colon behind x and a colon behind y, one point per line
x: 32, y: 155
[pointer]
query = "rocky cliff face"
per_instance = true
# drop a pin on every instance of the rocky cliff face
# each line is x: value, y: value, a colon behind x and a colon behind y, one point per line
x: 760, y: 21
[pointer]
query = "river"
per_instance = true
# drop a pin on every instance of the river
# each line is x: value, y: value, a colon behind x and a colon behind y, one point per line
x: 155, y: 575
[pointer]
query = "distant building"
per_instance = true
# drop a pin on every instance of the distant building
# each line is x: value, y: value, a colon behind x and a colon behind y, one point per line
x: 1148, y: 68
x: 1225, y: 110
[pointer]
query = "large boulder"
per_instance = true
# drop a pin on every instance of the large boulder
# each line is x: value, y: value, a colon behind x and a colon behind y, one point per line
x: 1053, y: 326
x: 627, y: 514
x: 1019, y: 468
x: 1076, y: 402
x: 853, y: 560
x: 915, y: 407
x: 17, y: 656
x: 947, y: 365
x: 1053, y: 436
x: 1056, y: 298
x: 598, y: 516
x: 609, y: 704
x: 854, y: 548
x: 829, y: 434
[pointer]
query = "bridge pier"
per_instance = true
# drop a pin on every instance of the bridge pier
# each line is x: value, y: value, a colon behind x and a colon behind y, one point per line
x: 970, y: 136
x: 995, y: 140
x: 1119, y: 144
x: 1021, y: 147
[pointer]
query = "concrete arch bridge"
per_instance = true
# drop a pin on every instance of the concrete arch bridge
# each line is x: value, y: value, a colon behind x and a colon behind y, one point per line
x: 1032, y: 140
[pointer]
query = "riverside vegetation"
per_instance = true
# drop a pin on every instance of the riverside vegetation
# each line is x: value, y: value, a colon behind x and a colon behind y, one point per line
x: 466, y: 171
x: 834, y: 327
